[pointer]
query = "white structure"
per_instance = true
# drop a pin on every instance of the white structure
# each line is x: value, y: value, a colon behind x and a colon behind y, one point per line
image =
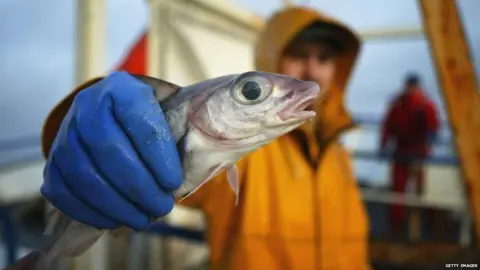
x: 91, y: 62
x: 190, y: 41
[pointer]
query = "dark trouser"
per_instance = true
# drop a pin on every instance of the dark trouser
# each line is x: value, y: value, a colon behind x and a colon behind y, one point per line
x: 401, y: 173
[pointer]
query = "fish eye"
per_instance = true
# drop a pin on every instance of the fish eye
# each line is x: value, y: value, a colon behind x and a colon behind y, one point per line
x: 252, y: 90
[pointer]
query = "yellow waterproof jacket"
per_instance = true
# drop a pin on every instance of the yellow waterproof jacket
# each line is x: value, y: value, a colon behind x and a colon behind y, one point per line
x: 299, y: 205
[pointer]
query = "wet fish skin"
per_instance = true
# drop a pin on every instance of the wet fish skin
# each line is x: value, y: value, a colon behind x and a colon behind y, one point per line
x: 214, y: 125
x: 220, y: 126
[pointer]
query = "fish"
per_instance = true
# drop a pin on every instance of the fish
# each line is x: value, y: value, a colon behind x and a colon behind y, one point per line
x: 215, y: 123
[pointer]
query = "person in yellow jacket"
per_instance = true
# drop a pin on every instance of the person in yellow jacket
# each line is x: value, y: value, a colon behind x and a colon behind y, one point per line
x: 299, y: 205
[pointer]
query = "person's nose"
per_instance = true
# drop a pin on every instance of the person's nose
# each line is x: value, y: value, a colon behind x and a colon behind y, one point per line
x: 311, y: 69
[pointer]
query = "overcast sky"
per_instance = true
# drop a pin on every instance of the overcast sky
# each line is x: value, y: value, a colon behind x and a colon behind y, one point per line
x: 37, y: 50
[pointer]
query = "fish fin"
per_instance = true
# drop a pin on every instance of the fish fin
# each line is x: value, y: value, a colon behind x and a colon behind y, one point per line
x: 232, y: 178
x: 213, y: 171
x: 163, y: 89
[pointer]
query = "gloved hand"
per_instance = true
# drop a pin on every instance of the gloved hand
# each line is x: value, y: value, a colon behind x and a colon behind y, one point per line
x: 114, y: 161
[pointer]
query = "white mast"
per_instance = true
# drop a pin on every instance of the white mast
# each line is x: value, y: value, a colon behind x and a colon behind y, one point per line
x: 90, y: 62
x: 90, y: 39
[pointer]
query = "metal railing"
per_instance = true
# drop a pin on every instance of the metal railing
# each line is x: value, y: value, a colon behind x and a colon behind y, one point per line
x: 166, y: 230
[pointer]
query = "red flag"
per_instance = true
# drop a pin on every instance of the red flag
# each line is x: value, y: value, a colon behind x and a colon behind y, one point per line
x: 136, y: 59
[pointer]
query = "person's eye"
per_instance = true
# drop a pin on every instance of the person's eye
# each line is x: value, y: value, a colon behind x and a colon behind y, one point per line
x: 324, y: 57
x: 299, y: 55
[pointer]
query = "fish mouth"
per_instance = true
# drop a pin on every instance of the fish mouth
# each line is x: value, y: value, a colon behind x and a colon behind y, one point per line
x: 300, y: 109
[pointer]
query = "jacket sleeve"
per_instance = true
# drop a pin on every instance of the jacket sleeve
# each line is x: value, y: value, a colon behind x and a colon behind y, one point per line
x: 386, y: 129
x: 432, y: 118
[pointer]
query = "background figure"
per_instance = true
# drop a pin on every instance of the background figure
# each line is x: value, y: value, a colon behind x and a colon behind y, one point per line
x: 408, y: 131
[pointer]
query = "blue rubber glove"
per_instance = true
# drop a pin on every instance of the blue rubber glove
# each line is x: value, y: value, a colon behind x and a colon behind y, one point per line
x: 114, y: 161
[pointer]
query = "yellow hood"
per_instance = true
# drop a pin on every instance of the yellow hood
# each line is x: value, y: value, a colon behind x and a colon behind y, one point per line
x: 283, y: 26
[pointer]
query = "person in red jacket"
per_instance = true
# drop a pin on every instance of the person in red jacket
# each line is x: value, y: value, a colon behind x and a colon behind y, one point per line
x: 408, y: 131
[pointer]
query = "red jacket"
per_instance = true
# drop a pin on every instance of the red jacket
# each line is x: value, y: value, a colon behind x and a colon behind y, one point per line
x: 410, y: 122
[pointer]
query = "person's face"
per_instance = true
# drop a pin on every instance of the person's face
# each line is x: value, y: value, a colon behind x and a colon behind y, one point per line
x: 410, y: 87
x: 309, y: 61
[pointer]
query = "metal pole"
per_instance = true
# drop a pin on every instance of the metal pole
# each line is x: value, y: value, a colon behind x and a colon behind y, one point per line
x: 9, y: 234
x: 392, y: 33
x: 157, y: 39
x: 452, y: 55
x: 90, y: 62
x: 91, y: 39
x: 154, y: 40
